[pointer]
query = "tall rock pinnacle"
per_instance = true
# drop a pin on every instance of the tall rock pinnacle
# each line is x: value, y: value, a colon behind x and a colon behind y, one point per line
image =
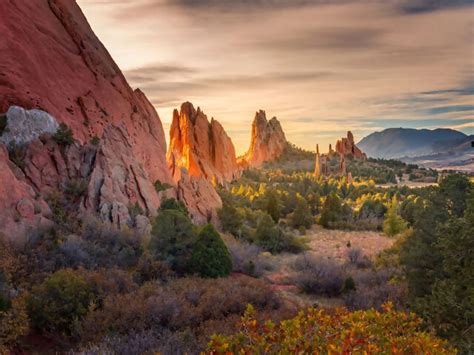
x: 203, y: 148
x: 267, y: 143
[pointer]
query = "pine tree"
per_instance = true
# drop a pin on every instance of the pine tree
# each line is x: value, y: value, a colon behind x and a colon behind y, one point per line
x: 302, y: 216
x: 273, y: 205
x: 393, y: 223
x: 211, y: 258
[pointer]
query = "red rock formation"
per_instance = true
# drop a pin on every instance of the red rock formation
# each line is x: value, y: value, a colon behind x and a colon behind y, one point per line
x: 118, y: 181
x: 204, y: 149
x: 19, y: 207
x: 52, y: 60
x: 200, y: 196
x: 346, y: 147
x: 267, y: 143
x: 317, y: 164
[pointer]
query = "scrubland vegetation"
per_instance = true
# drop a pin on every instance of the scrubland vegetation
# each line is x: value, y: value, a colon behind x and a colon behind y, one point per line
x: 83, y: 286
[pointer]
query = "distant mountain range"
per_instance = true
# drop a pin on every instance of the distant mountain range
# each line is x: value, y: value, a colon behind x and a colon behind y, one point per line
x: 438, y: 148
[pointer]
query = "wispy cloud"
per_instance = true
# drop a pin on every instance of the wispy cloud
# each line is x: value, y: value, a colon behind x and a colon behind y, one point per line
x: 320, y: 66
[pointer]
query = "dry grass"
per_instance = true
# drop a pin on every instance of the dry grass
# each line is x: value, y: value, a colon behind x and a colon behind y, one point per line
x: 325, y: 244
x: 333, y: 243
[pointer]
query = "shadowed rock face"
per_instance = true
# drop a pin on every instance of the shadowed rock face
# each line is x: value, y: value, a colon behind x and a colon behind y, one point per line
x: 347, y: 147
x: 52, y: 61
x: 267, y: 143
x: 203, y: 148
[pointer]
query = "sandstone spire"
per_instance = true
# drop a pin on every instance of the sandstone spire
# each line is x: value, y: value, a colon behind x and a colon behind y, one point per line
x: 267, y: 143
x: 342, y: 165
x: 317, y: 167
x: 203, y: 148
x: 347, y: 147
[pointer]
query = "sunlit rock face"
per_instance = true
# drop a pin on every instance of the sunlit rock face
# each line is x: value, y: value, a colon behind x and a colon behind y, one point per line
x: 347, y: 147
x: 52, y: 61
x: 203, y: 148
x: 267, y: 143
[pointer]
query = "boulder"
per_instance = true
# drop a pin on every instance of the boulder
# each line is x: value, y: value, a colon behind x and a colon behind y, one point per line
x: 23, y: 126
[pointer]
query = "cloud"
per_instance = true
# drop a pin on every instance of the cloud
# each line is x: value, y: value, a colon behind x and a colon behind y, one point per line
x: 321, y: 67
x: 421, y: 6
x: 448, y: 109
x: 328, y: 38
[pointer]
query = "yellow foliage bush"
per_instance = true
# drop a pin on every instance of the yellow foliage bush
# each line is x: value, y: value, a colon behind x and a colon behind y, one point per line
x: 342, y: 332
x: 13, y: 324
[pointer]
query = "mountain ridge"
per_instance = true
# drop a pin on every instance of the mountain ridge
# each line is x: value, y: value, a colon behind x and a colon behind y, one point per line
x: 392, y: 143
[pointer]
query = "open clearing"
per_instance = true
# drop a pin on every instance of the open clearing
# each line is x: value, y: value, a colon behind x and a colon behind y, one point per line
x: 323, y: 243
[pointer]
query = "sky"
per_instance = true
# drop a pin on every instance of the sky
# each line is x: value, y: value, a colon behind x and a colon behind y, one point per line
x: 322, y: 67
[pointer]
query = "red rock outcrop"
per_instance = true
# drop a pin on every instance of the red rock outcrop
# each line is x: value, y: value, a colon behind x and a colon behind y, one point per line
x: 267, y: 143
x: 347, y: 147
x: 118, y: 181
x: 200, y: 196
x: 203, y: 148
x: 51, y: 60
x: 19, y: 206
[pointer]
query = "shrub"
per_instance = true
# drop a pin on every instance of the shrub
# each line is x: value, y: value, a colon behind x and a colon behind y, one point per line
x: 185, y: 303
x: 357, y: 258
x: 95, y: 140
x: 349, y: 285
x: 173, y: 204
x: 13, y: 324
x: 318, y: 276
x: 374, y: 288
x: 230, y: 219
x: 301, y: 217
x: 331, y: 211
x: 246, y: 257
x: 61, y: 299
x: 210, y: 255
x: 64, y: 135
x: 316, y: 331
x: 172, y: 239
x: 76, y: 188
x: 159, y: 186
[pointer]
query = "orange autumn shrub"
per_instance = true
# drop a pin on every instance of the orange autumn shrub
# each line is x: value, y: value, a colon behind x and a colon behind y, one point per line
x: 343, y: 332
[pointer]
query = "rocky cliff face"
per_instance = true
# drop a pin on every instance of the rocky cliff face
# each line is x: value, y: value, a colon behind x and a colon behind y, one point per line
x: 203, y: 148
x: 267, y: 143
x: 347, y: 147
x: 51, y: 60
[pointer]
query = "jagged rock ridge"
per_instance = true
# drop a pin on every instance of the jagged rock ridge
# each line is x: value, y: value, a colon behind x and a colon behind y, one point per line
x: 267, y: 143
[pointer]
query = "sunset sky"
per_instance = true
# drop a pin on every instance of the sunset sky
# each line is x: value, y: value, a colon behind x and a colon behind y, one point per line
x: 322, y: 67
